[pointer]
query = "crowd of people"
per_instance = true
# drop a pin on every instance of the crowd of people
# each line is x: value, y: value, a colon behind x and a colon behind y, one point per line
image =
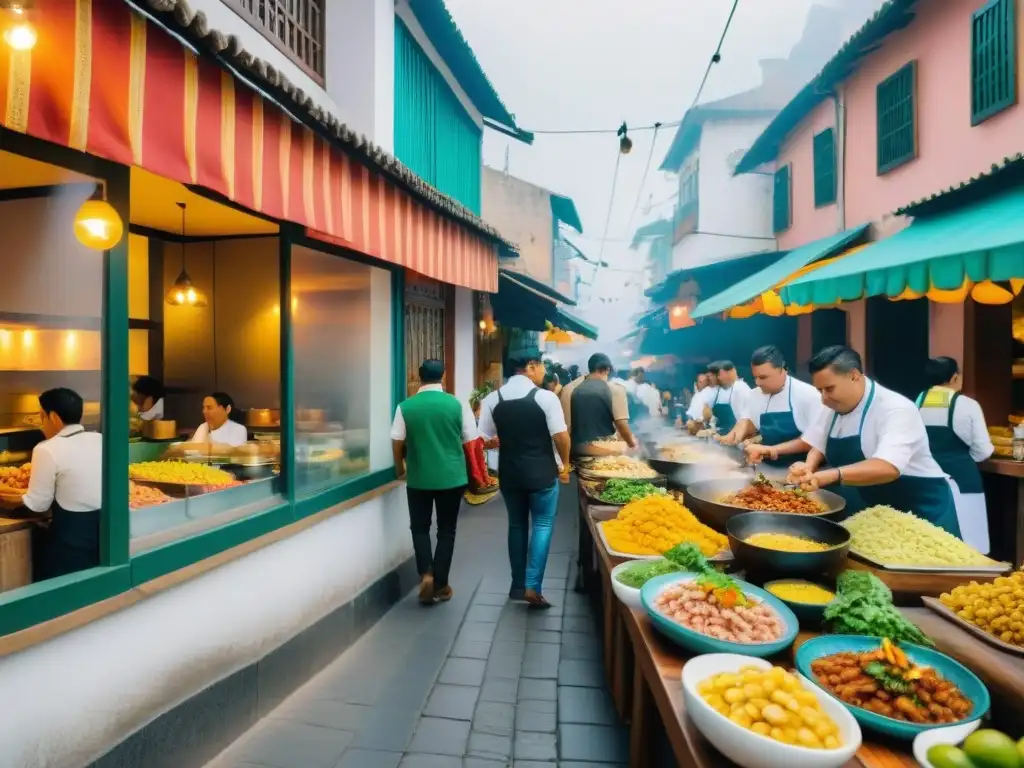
x: 843, y: 431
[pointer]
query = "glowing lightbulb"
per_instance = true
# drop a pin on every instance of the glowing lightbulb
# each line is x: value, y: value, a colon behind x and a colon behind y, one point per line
x: 179, y: 297
x: 71, y: 340
x: 483, y: 325
x: 677, y: 311
x: 277, y: 309
x: 21, y: 36
x: 95, y: 227
x: 191, y: 295
x: 27, y: 338
x: 295, y: 304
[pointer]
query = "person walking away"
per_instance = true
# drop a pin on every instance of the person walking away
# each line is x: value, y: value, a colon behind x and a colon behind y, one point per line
x: 596, y: 407
x: 427, y: 438
x: 526, y: 419
x: 959, y: 439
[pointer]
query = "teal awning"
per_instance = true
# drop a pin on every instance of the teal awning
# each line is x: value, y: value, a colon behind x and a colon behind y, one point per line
x: 568, y: 322
x: 564, y: 210
x: 754, y: 285
x: 983, y: 240
x: 536, y: 285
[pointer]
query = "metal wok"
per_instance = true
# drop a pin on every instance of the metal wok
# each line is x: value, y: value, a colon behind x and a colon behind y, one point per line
x: 703, y: 498
x: 709, y: 460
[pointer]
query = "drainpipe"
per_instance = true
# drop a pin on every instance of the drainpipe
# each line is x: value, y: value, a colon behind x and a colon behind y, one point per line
x: 840, y: 113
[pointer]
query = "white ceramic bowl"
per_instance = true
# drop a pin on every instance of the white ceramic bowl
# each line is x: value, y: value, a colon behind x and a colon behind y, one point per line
x: 628, y: 595
x: 746, y: 748
x: 952, y: 735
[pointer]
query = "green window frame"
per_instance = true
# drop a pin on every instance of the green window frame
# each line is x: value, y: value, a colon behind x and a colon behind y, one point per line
x: 782, y: 195
x: 824, y: 168
x: 896, y: 106
x: 119, y: 572
x: 993, y: 59
x: 434, y: 135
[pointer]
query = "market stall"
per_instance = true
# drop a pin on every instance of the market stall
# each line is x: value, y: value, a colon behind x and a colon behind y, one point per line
x: 647, y: 658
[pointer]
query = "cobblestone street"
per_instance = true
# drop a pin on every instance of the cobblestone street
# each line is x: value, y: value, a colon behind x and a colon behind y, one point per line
x: 478, y: 682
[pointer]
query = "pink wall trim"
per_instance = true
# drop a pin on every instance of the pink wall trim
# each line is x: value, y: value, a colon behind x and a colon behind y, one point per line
x: 949, y: 149
x: 809, y: 223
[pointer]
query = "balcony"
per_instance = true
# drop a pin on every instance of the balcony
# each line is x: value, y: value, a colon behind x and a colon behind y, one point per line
x: 295, y: 27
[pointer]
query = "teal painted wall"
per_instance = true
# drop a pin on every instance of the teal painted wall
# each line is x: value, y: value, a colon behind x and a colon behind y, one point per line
x: 434, y: 136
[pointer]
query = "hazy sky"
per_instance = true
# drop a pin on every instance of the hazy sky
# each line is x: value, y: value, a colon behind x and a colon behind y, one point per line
x: 585, y: 64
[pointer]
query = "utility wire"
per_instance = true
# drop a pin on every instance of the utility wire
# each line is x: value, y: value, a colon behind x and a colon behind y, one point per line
x: 608, y: 219
x: 643, y: 179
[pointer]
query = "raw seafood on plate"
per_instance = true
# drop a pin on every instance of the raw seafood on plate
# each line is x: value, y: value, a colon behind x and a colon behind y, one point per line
x: 715, y: 605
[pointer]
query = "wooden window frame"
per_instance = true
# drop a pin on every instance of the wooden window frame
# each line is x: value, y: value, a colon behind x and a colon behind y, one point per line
x: 885, y: 162
x: 825, y: 186
x: 980, y: 112
x: 315, y: 37
x: 786, y: 172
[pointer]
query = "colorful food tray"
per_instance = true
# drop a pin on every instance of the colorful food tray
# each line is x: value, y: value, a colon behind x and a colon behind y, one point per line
x: 725, y: 556
x: 937, y: 606
x: 594, y: 488
x: 996, y: 568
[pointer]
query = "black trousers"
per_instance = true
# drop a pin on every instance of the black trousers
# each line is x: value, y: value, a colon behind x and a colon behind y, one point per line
x: 421, y: 512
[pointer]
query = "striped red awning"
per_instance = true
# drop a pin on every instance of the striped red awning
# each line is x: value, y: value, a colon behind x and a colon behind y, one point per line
x: 104, y: 80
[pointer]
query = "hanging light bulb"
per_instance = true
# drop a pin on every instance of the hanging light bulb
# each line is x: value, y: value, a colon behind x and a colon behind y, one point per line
x: 20, y: 34
x: 987, y: 292
x: 97, y: 225
x: 625, y: 143
x: 183, y: 293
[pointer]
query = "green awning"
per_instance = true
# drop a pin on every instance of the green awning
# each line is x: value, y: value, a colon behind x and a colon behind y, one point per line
x: 754, y: 285
x: 564, y: 210
x: 980, y: 241
x: 568, y: 322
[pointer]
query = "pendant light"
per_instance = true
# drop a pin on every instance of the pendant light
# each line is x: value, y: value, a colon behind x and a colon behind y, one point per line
x: 19, y: 33
x: 183, y: 293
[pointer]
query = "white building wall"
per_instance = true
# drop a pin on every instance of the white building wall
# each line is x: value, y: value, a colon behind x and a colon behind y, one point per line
x: 521, y: 212
x: 465, y: 344
x: 735, y: 212
x: 67, y: 701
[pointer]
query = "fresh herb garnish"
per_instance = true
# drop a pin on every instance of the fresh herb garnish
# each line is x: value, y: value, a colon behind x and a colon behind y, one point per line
x: 890, y: 682
x: 689, y: 558
x: 622, y: 491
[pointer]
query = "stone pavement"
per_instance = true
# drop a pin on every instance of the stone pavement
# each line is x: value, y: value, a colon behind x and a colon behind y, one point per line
x: 479, y: 682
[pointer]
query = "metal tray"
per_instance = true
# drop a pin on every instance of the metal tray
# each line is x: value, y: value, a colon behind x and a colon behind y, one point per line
x: 937, y: 607
x: 995, y: 568
x: 725, y: 556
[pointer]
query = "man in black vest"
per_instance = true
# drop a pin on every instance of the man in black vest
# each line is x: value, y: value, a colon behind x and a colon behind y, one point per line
x: 596, y: 408
x: 526, y: 420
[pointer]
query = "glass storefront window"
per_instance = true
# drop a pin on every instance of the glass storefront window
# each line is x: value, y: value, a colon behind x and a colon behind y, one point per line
x: 205, y: 364
x: 341, y: 330
x: 51, y: 308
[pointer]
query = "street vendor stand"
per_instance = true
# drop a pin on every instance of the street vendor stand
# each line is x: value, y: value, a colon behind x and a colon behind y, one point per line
x: 644, y: 669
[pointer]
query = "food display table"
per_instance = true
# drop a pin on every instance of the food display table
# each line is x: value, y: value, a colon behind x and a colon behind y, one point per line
x: 644, y: 670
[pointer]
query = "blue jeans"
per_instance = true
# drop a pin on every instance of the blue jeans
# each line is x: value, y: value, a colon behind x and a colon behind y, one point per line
x: 531, y: 517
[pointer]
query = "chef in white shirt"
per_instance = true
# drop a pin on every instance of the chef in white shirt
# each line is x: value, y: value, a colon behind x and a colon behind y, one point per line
x: 217, y: 426
x: 959, y: 439
x: 730, y: 399
x: 780, y: 409
x: 695, y: 416
x: 873, y: 439
x: 148, y: 396
x: 67, y: 482
x: 646, y: 392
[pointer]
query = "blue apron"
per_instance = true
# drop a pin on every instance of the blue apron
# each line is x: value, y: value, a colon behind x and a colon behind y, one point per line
x: 951, y: 452
x: 780, y: 427
x: 723, y: 412
x: 70, y: 543
x: 929, y: 498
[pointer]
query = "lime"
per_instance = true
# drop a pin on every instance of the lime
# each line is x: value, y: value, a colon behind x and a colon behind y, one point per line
x: 948, y: 756
x: 991, y: 749
x: 1020, y: 750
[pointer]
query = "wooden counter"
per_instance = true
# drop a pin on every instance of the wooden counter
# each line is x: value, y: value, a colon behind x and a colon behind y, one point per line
x: 1004, y: 493
x: 15, y: 553
x: 644, y: 672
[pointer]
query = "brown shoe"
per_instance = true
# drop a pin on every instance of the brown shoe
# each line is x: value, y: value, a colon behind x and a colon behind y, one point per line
x: 427, y: 589
x: 444, y: 595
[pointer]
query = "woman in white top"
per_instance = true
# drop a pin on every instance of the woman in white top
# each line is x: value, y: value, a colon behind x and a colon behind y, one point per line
x: 148, y: 396
x: 959, y: 439
x: 217, y: 426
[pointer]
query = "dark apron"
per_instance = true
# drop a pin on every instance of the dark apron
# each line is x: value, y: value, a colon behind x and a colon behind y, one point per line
x: 723, y: 412
x: 780, y: 427
x: 952, y: 453
x: 930, y: 498
x: 70, y: 543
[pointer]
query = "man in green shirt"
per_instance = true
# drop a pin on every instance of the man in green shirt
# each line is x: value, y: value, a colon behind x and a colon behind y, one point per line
x: 427, y: 436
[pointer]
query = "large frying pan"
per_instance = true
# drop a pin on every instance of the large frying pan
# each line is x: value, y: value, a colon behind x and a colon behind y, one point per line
x: 703, y: 498
x: 709, y: 460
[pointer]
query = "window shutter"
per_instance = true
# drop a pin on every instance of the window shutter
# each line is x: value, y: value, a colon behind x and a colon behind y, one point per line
x: 824, y: 168
x: 781, y: 214
x: 993, y: 59
x: 897, y: 135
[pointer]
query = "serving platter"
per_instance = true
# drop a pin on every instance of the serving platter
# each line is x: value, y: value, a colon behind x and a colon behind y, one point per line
x: 995, y: 569
x: 936, y: 606
x: 725, y: 556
